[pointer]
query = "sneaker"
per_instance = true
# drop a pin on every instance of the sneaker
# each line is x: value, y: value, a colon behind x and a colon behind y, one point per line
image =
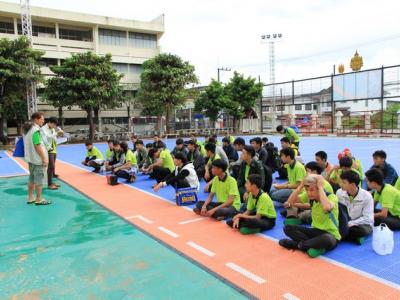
x: 288, y: 244
x: 360, y: 241
x: 292, y: 221
x: 313, y: 252
x: 196, y: 210
x: 132, y: 179
x: 247, y: 230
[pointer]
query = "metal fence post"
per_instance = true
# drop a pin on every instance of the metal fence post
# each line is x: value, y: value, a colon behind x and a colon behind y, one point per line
x: 332, y: 108
x: 382, y: 90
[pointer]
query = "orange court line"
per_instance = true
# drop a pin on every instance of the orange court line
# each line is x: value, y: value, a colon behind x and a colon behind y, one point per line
x: 255, y: 264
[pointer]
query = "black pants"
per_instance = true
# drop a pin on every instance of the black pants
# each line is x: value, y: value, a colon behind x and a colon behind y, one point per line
x: 392, y: 222
x: 93, y: 164
x: 263, y: 223
x: 123, y: 174
x: 180, y: 184
x: 159, y: 173
x: 51, y: 168
x: 226, y: 212
x: 357, y: 231
x: 310, y: 237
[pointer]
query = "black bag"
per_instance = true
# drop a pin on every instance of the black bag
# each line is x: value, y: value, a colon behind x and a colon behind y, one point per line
x: 112, y: 179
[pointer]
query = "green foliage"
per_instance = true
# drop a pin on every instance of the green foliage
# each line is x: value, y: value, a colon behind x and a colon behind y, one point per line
x: 212, y: 101
x: 163, y: 83
x: 389, y: 117
x: 88, y: 81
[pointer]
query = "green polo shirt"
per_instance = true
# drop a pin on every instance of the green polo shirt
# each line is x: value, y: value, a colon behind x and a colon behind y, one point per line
x: 321, y: 219
x: 94, y: 152
x: 397, y: 185
x: 168, y: 161
x: 264, y: 206
x: 130, y: 157
x: 303, y: 196
x: 36, y: 137
x: 296, y: 172
x: 246, y: 171
x: 202, y: 150
x: 359, y: 168
x: 211, y: 159
x: 232, y: 139
x: 108, y: 153
x: 389, y: 197
x: 225, y: 188
x: 291, y: 135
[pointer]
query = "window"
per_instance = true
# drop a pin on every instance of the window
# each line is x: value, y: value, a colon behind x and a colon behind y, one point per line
x: 75, y: 35
x: 315, y: 106
x: 298, y: 107
x: 265, y: 108
x: 120, y: 68
x: 112, y: 37
x: 40, y: 31
x: 280, y: 108
x: 308, y: 107
x: 46, y: 62
x: 135, y: 68
x: 6, y: 27
x: 142, y: 40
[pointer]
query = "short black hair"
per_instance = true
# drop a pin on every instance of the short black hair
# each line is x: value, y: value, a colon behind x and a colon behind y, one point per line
x: 285, y: 140
x: 264, y: 139
x: 191, y: 142
x: 279, y: 128
x: 111, y: 141
x: 139, y: 142
x: 117, y: 143
x: 210, y: 147
x: 134, y: 136
x: 314, y: 166
x: 149, y: 145
x: 287, y: 152
x: 37, y: 115
x: 212, y: 139
x: 161, y: 145
x: 226, y: 140
x: 219, y: 163
x: 156, y: 135
x: 346, y: 162
x: 124, y: 146
x: 379, y: 153
x: 255, y: 179
x: 257, y: 140
x: 53, y: 120
x: 182, y: 157
x: 151, y: 153
x: 322, y: 155
x: 375, y: 175
x: 239, y: 141
x: 179, y: 141
x: 351, y: 177
x: 88, y: 143
x: 249, y: 149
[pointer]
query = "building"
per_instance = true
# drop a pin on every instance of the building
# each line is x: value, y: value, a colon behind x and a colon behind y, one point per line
x: 61, y: 33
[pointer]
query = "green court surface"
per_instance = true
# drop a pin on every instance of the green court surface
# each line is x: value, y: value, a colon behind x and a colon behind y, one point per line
x: 75, y: 249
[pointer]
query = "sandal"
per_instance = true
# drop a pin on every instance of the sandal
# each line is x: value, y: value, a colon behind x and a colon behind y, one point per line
x: 43, y: 202
x: 30, y: 202
x: 52, y: 187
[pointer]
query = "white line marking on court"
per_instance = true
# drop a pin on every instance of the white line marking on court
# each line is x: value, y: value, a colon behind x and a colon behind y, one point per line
x: 21, y: 166
x: 167, y: 231
x: 191, y: 221
x: 140, y: 218
x: 200, y: 248
x: 289, y: 296
x: 246, y: 273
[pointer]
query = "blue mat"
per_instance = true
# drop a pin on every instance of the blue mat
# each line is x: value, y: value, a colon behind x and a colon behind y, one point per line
x: 359, y: 257
x: 8, y: 167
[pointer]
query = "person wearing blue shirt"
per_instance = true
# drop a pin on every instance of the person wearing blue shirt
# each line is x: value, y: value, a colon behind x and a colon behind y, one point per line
x: 389, y: 173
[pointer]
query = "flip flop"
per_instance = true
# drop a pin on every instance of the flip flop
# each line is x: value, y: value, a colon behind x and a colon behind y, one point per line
x: 30, y: 202
x: 43, y: 202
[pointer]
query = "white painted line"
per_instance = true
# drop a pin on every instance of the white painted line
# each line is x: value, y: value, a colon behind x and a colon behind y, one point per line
x: 289, y: 296
x: 200, y: 248
x: 22, y: 167
x: 140, y: 218
x: 246, y: 273
x: 191, y: 221
x: 167, y: 231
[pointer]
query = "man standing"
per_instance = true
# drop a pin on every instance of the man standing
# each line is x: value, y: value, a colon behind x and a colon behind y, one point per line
x: 36, y: 157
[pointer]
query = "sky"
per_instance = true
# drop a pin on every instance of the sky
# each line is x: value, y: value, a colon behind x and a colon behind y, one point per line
x: 227, y: 33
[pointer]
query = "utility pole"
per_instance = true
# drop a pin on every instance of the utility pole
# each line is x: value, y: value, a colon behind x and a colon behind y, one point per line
x: 222, y: 69
x: 26, y: 24
x: 271, y: 39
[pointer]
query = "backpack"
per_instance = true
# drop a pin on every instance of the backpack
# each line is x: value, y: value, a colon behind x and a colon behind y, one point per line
x: 274, y: 159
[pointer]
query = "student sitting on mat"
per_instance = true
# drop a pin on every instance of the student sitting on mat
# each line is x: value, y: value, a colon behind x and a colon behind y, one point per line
x: 128, y: 169
x: 110, y: 149
x: 196, y: 158
x: 225, y: 188
x: 163, y: 163
x: 390, y: 174
x: 260, y: 212
x: 321, y: 157
x: 179, y: 147
x: 184, y: 175
x: 345, y: 164
x: 298, y: 205
x: 359, y: 206
x: 211, y: 157
x: 229, y: 150
x: 357, y: 165
x: 324, y: 232
x: 116, y: 159
x: 93, y: 158
x: 387, y: 196
x: 141, y: 154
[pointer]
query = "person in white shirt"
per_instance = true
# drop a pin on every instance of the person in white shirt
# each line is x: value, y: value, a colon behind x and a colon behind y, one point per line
x: 360, y: 207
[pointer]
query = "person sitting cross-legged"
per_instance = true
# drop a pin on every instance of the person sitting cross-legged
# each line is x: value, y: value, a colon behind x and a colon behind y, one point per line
x: 94, y: 157
x: 163, y: 164
x: 260, y: 212
x: 359, y: 206
x: 179, y: 147
x: 196, y: 158
x: 387, y: 196
x: 390, y: 174
x: 296, y: 173
x: 225, y: 188
x: 324, y: 232
x: 141, y: 154
x: 230, y: 151
x: 184, y: 175
x: 321, y: 157
x: 212, y: 155
x: 128, y: 168
x: 116, y: 157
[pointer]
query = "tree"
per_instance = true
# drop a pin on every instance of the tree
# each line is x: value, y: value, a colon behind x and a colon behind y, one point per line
x: 212, y: 101
x: 389, y: 117
x: 16, y: 59
x: 88, y: 81
x: 242, y: 93
x: 162, y: 84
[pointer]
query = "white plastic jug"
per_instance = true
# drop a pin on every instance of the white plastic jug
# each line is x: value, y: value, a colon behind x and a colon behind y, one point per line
x: 382, y: 240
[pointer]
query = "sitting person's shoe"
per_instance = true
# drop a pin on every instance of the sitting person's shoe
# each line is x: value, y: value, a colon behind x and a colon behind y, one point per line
x: 96, y: 170
x: 292, y: 221
x: 360, y: 240
x: 313, y: 252
x: 132, y: 179
x: 196, y: 210
x: 247, y: 230
x: 288, y: 244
